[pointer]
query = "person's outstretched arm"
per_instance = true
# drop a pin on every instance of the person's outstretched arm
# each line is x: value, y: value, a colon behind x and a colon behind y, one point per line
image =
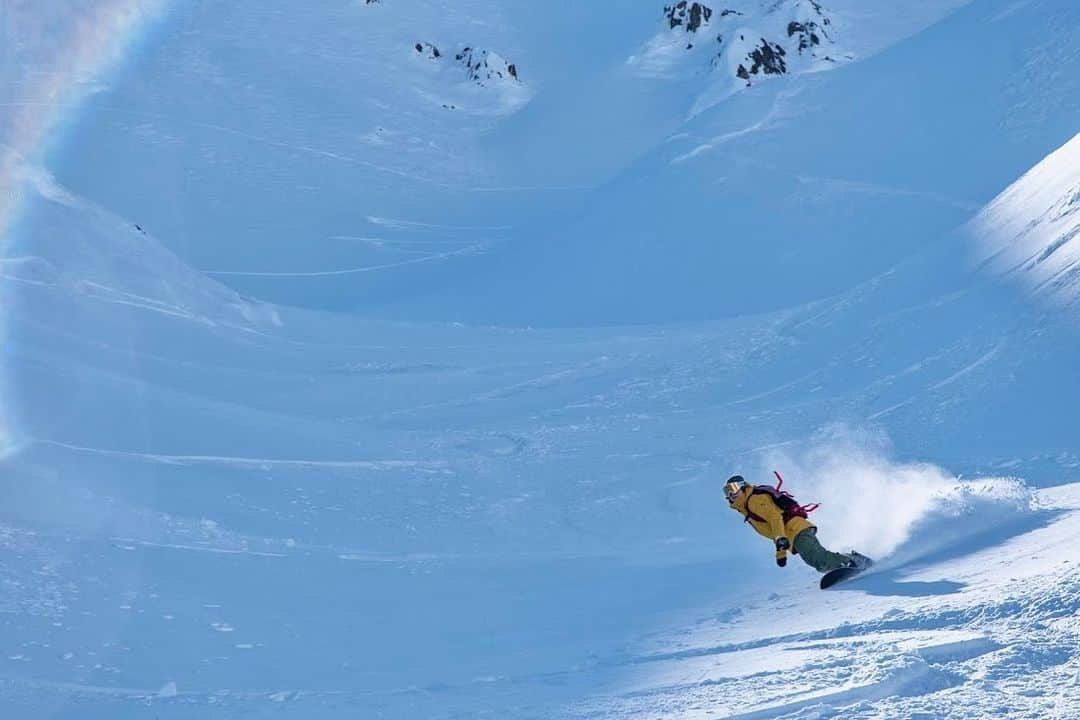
x: 764, y: 507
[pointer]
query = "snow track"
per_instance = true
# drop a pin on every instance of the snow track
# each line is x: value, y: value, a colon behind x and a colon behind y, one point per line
x: 936, y: 654
x: 255, y: 463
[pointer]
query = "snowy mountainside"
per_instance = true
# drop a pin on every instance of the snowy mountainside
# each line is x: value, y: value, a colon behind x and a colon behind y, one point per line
x: 485, y: 66
x: 86, y: 250
x: 835, y: 176
x: 293, y: 148
x: 520, y: 523
x: 744, y: 42
x: 215, y: 506
x: 486, y: 70
x: 986, y: 633
x: 291, y: 151
x: 1031, y: 232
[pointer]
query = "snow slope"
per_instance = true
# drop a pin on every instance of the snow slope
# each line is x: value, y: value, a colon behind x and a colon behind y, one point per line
x: 1030, y: 231
x: 989, y: 632
x: 292, y: 515
x: 213, y: 505
x: 293, y: 152
x: 838, y: 176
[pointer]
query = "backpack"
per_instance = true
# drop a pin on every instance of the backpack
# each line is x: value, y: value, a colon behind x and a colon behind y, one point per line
x: 789, y: 506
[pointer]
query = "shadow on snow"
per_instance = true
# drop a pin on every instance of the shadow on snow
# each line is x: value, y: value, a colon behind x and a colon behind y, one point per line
x: 885, y: 580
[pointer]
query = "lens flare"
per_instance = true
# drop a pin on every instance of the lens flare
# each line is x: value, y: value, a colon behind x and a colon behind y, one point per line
x: 57, y: 57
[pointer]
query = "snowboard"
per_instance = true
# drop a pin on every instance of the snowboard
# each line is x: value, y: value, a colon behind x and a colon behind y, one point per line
x: 843, y: 574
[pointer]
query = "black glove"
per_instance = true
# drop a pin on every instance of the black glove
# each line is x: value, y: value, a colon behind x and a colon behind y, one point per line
x: 782, y: 546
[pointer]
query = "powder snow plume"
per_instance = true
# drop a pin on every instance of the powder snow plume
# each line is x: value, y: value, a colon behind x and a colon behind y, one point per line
x: 886, y: 508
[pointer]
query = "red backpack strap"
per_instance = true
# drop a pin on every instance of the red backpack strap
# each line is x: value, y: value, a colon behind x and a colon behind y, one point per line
x: 775, y: 492
x: 749, y: 514
x: 801, y: 510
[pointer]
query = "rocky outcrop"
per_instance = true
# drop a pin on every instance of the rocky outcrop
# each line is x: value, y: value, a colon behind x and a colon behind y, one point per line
x: 753, y: 39
x: 806, y: 33
x: 484, y: 66
x: 475, y: 66
x: 765, y: 59
x: 691, y: 15
x: 811, y: 28
x: 481, y: 66
x: 428, y: 50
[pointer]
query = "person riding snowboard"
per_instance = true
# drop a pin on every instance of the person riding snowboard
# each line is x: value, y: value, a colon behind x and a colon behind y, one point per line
x: 777, y: 516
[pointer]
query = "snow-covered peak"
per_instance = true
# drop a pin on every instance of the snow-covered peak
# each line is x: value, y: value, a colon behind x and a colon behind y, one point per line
x: 473, y: 78
x: 486, y: 66
x: 811, y: 29
x: 688, y: 15
x: 1031, y: 231
x: 739, y: 43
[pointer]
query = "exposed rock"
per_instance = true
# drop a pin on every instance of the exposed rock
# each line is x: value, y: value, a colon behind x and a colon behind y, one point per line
x: 764, y: 59
x: 772, y: 37
x: 484, y: 66
x: 692, y: 15
x: 767, y: 59
x: 430, y: 50
x: 807, y: 33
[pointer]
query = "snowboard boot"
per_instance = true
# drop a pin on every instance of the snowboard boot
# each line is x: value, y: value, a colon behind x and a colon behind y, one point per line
x: 858, y: 560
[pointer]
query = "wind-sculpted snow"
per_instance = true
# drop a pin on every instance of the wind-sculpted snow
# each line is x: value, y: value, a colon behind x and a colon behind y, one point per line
x: 112, y: 261
x: 1031, y: 232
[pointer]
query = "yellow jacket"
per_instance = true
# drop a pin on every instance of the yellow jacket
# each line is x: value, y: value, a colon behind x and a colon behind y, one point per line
x: 771, y: 525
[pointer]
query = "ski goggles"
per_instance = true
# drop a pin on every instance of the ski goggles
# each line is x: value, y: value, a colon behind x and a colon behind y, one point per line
x: 732, y: 488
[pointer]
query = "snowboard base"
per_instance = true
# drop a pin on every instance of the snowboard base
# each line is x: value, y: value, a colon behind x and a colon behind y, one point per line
x: 839, y: 575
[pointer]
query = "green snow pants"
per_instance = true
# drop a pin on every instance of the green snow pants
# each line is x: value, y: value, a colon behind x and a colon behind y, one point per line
x: 814, y: 555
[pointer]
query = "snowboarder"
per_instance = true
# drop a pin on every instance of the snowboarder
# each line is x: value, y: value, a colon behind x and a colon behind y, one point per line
x: 777, y: 516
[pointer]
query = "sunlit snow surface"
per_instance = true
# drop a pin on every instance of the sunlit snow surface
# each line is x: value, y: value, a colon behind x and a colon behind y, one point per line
x: 213, y: 506
x: 1032, y: 230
